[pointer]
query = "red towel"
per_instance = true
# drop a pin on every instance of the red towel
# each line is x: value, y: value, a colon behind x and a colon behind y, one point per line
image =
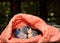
x: 49, y: 33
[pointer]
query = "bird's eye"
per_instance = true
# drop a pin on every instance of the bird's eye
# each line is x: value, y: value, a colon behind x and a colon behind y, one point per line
x: 34, y: 33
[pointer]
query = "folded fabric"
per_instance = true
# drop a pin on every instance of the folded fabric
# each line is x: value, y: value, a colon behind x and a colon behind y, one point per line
x: 49, y: 33
x: 1, y: 41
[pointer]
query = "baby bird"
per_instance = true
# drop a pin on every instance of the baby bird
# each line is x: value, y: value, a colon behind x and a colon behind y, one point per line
x: 25, y: 32
x: 22, y: 35
x: 21, y: 32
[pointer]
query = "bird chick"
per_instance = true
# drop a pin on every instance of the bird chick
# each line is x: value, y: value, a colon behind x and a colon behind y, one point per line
x: 22, y: 35
x: 25, y: 32
x: 21, y: 32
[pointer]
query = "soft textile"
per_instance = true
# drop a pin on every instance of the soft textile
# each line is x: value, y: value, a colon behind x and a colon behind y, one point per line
x: 49, y: 33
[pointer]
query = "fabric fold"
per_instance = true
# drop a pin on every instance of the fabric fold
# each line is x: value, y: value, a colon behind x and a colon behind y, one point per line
x: 50, y: 33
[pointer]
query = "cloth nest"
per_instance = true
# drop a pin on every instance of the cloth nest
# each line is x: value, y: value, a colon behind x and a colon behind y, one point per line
x: 49, y: 33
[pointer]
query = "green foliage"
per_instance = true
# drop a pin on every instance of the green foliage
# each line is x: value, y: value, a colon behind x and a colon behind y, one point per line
x: 4, y: 12
x: 30, y: 7
x: 26, y: 7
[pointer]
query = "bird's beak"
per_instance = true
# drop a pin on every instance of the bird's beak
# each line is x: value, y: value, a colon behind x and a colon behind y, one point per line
x: 29, y: 33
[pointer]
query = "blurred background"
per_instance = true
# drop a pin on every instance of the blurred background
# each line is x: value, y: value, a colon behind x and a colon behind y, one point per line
x: 48, y: 10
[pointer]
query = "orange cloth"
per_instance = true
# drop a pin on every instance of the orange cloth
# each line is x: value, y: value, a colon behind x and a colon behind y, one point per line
x: 49, y: 33
x: 1, y: 41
